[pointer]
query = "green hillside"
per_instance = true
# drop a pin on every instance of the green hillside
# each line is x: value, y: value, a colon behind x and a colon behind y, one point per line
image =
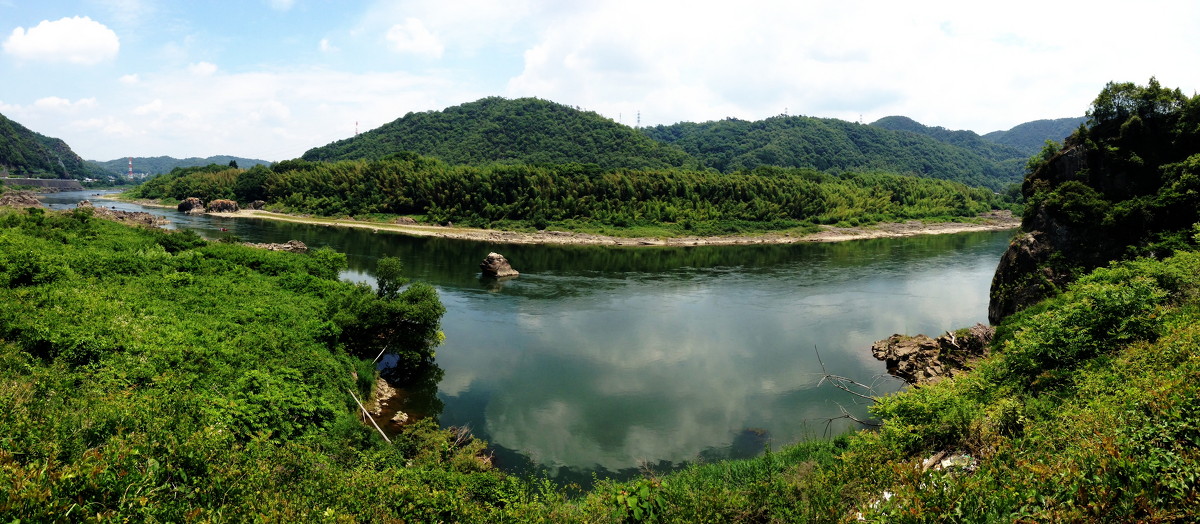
x: 494, y: 129
x: 830, y: 144
x: 1029, y: 137
x: 158, y: 165
x: 25, y: 153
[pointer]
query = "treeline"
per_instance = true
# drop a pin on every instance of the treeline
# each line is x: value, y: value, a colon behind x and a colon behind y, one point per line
x: 574, y: 196
x: 158, y: 165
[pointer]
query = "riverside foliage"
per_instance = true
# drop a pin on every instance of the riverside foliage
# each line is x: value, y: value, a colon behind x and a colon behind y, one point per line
x: 152, y: 376
x: 576, y: 196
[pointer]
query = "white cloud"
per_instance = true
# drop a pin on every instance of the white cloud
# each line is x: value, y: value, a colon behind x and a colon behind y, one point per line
x: 129, y: 79
x: 55, y: 103
x: 202, y: 69
x: 325, y: 46
x: 412, y: 37
x: 77, y: 40
x: 281, y: 5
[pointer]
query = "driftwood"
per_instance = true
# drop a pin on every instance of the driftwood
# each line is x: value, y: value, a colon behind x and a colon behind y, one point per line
x: 368, y: 415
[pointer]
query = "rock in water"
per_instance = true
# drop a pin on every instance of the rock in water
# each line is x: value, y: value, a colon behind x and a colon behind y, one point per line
x: 495, y: 265
x: 222, y: 206
x: 191, y: 205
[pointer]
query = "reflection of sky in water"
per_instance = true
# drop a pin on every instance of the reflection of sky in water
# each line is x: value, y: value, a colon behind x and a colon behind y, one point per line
x: 654, y: 368
x: 609, y: 357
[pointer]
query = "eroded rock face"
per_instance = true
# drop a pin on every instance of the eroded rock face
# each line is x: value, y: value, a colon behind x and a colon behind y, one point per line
x: 920, y: 359
x: 191, y: 205
x: 19, y: 199
x: 257, y: 204
x: 495, y: 265
x: 222, y: 206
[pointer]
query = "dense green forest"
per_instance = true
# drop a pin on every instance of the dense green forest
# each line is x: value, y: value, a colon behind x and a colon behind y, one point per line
x: 829, y: 144
x: 1029, y: 137
x: 1125, y: 185
x: 164, y: 164
x: 494, y: 129
x: 580, y: 197
x: 25, y: 153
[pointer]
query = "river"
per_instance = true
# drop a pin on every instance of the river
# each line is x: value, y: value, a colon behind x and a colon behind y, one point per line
x: 601, y: 360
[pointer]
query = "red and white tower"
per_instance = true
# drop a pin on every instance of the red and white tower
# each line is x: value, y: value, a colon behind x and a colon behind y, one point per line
x: 131, y: 168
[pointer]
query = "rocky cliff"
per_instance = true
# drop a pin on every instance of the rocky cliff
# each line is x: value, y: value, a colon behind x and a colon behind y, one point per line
x: 1125, y: 185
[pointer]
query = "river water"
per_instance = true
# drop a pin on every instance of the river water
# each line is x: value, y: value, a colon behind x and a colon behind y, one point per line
x: 601, y: 360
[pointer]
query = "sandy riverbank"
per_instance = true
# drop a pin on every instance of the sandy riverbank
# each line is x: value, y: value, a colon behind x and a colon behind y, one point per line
x: 991, y: 222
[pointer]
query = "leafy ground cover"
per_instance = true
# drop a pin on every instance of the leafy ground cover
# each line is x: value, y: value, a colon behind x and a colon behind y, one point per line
x: 148, y: 375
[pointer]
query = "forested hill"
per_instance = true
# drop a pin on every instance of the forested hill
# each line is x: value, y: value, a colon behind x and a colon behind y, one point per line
x: 1031, y: 136
x: 26, y: 153
x: 495, y: 129
x: 164, y: 164
x: 830, y: 144
x: 968, y: 140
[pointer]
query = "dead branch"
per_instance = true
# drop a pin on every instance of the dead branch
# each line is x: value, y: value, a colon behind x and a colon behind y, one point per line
x: 368, y: 415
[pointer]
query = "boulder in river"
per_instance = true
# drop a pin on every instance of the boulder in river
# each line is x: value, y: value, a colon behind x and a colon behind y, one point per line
x: 191, y: 205
x: 222, y: 205
x: 495, y: 265
x: 923, y: 360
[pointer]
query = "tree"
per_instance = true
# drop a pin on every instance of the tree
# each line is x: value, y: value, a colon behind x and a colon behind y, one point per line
x: 233, y: 164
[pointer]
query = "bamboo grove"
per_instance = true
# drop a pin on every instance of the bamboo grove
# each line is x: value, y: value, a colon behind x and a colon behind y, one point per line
x: 579, y: 196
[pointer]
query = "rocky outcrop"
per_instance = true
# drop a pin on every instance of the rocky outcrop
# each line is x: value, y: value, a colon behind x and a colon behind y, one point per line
x: 257, y: 204
x: 923, y: 360
x: 222, y: 205
x: 191, y: 205
x: 19, y: 199
x: 140, y: 218
x: 495, y: 265
x: 406, y: 221
x: 293, y: 246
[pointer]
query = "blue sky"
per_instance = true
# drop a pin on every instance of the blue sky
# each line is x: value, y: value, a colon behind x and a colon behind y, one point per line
x: 272, y: 78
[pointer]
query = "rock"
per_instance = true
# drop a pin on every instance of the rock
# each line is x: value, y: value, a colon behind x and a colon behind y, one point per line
x: 191, y: 205
x: 923, y: 360
x: 292, y: 246
x: 19, y: 199
x: 406, y: 221
x: 257, y: 204
x: 495, y: 265
x: 222, y: 206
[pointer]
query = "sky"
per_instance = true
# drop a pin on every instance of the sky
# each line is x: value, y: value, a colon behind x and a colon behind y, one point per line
x: 270, y: 79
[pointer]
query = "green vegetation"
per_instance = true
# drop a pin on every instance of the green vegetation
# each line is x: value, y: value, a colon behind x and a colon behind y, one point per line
x: 24, y: 153
x: 829, y: 144
x: 1029, y: 137
x: 580, y: 197
x: 147, y: 375
x: 1127, y: 184
x: 494, y: 129
x: 164, y: 164
x: 150, y: 375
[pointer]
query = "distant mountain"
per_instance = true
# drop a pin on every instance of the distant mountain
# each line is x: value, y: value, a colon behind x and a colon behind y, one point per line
x: 495, y: 129
x: 825, y: 143
x: 25, y: 153
x: 1031, y: 136
x: 965, y: 139
x: 158, y: 165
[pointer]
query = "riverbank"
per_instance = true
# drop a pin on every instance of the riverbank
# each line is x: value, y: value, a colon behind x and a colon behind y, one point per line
x: 996, y: 221
x: 993, y: 221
